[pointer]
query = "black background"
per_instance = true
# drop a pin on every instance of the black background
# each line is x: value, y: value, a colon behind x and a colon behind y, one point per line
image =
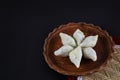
x: 25, y: 25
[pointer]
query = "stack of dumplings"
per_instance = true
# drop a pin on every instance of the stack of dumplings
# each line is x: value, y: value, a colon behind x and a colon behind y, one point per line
x: 77, y: 46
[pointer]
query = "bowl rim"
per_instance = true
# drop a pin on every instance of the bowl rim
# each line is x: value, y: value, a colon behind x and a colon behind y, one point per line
x: 81, y: 73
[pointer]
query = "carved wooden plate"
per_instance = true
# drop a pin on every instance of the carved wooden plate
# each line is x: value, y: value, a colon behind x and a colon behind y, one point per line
x: 104, y: 49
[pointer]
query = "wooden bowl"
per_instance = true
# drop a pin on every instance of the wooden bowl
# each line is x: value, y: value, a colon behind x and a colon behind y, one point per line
x: 104, y: 49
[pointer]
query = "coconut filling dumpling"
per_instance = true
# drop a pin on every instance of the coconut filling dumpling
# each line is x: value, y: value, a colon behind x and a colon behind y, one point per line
x: 89, y: 53
x: 67, y: 39
x: 75, y: 56
x: 79, y: 36
x: 63, y: 51
x: 89, y: 41
x: 77, y: 46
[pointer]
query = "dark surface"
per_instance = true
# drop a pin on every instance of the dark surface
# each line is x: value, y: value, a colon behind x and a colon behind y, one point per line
x: 25, y: 25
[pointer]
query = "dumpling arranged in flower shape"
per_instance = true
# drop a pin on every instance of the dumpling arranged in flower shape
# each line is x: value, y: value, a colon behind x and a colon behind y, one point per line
x: 77, y: 46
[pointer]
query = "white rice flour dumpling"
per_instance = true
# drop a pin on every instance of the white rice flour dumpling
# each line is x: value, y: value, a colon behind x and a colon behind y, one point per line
x: 78, y: 35
x: 67, y: 39
x: 63, y: 51
x: 77, y: 46
x: 89, y: 41
x: 89, y: 53
x: 75, y: 56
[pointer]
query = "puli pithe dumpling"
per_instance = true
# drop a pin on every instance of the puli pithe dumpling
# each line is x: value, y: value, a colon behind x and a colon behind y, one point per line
x: 75, y: 56
x: 78, y: 35
x: 90, y: 53
x: 89, y: 41
x: 63, y: 51
x: 67, y: 39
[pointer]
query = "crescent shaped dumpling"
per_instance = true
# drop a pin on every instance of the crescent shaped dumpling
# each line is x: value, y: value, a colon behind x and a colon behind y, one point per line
x: 75, y: 56
x: 63, y: 51
x: 89, y: 53
x: 67, y: 39
x: 89, y: 41
x: 78, y: 35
